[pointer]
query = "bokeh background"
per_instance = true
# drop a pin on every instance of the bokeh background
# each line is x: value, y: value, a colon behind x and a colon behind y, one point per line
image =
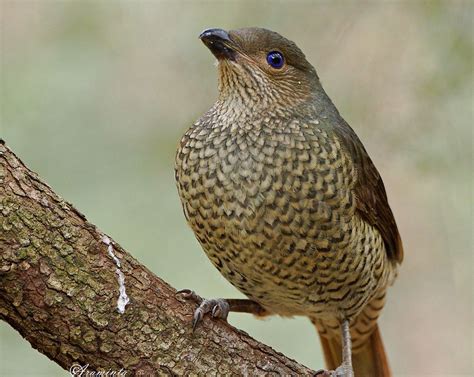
x: 96, y: 94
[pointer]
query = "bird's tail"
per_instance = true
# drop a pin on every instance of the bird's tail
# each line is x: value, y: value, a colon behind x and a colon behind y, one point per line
x: 368, y: 360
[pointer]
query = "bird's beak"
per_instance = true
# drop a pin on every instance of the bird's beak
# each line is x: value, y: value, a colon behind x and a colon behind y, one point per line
x: 219, y: 42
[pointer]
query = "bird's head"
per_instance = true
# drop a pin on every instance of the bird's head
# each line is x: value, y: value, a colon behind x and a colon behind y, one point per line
x: 260, y: 67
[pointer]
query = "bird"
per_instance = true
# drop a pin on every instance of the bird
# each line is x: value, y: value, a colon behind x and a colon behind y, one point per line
x: 285, y: 201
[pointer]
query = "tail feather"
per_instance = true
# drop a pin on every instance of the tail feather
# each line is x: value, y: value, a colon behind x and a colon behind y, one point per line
x: 369, y: 361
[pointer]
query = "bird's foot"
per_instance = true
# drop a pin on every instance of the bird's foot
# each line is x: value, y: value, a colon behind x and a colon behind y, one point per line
x: 218, y: 308
x: 323, y: 373
x: 341, y: 371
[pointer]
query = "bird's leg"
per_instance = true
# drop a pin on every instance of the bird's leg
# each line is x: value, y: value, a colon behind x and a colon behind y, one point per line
x: 220, y: 308
x: 345, y: 369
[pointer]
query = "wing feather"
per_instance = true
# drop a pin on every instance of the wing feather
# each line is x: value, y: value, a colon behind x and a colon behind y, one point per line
x: 371, y: 197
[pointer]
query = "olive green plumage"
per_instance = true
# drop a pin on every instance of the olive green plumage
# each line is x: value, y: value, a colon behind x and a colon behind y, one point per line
x: 282, y: 195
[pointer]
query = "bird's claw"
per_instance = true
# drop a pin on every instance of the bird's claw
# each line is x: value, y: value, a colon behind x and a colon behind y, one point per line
x: 339, y: 372
x: 218, y: 308
x: 323, y: 373
x: 188, y: 294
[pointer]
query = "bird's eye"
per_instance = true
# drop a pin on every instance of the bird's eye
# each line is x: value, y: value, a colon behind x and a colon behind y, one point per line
x: 275, y: 59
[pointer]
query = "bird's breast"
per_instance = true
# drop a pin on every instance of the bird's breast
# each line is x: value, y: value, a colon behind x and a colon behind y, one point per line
x: 271, y: 209
x: 235, y: 172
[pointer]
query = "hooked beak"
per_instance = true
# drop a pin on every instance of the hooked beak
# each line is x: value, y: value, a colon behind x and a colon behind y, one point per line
x: 219, y: 42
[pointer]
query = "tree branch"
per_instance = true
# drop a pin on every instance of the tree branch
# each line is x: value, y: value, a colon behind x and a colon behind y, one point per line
x: 59, y: 287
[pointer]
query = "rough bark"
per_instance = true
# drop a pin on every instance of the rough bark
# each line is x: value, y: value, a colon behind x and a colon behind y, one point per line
x: 59, y: 288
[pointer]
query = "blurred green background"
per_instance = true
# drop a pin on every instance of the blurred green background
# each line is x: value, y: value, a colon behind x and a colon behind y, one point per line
x: 96, y: 94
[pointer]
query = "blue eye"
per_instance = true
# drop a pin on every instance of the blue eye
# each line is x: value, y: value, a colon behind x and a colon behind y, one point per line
x: 275, y: 59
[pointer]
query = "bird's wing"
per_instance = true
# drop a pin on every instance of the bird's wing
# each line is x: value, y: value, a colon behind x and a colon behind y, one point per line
x: 371, y: 198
